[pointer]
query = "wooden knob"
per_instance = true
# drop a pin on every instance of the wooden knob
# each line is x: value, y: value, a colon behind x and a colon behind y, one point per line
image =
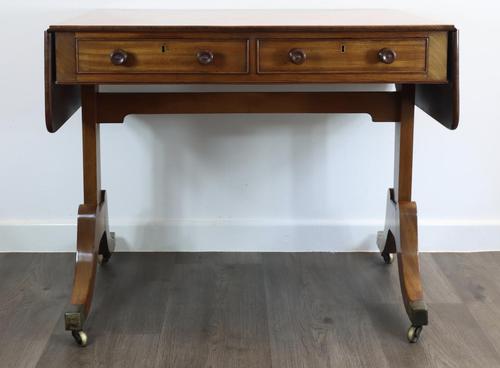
x: 118, y: 57
x: 205, y: 57
x: 387, y: 56
x: 297, y: 56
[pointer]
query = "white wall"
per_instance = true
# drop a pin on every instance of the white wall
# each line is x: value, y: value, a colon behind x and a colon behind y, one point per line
x: 236, y: 182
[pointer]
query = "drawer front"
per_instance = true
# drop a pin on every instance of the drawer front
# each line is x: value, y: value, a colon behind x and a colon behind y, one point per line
x: 162, y: 56
x: 342, y: 55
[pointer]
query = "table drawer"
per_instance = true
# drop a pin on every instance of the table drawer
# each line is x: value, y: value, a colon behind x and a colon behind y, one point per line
x: 162, y: 56
x: 342, y: 55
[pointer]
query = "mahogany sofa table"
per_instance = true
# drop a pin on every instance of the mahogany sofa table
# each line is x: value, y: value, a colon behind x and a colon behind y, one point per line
x: 250, y: 47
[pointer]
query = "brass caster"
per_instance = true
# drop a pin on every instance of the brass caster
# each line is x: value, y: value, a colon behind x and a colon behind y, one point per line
x: 388, y: 257
x: 414, y: 333
x: 80, y: 337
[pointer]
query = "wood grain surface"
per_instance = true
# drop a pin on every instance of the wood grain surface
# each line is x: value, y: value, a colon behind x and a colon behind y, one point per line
x: 116, y: 19
x: 163, y: 56
x: 342, y: 56
x: 251, y: 56
x: 250, y: 310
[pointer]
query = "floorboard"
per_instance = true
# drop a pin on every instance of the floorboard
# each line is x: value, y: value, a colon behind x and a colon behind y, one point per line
x: 217, y: 310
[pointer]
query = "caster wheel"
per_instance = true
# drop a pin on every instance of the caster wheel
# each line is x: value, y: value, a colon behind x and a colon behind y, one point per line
x: 80, y: 337
x: 388, y: 258
x: 414, y: 333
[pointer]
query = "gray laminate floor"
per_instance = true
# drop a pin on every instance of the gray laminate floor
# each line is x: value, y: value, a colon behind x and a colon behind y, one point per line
x: 250, y: 310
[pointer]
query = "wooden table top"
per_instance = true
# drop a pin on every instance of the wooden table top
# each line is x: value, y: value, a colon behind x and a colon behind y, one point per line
x: 128, y: 19
x: 256, y: 46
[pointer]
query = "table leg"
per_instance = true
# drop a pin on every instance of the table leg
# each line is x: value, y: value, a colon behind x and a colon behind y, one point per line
x: 400, y: 234
x: 95, y: 243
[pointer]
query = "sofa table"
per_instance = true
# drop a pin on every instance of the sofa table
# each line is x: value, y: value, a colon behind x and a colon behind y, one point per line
x: 250, y: 47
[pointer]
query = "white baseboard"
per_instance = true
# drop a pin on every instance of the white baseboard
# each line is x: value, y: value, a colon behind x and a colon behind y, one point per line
x: 252, y: 235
